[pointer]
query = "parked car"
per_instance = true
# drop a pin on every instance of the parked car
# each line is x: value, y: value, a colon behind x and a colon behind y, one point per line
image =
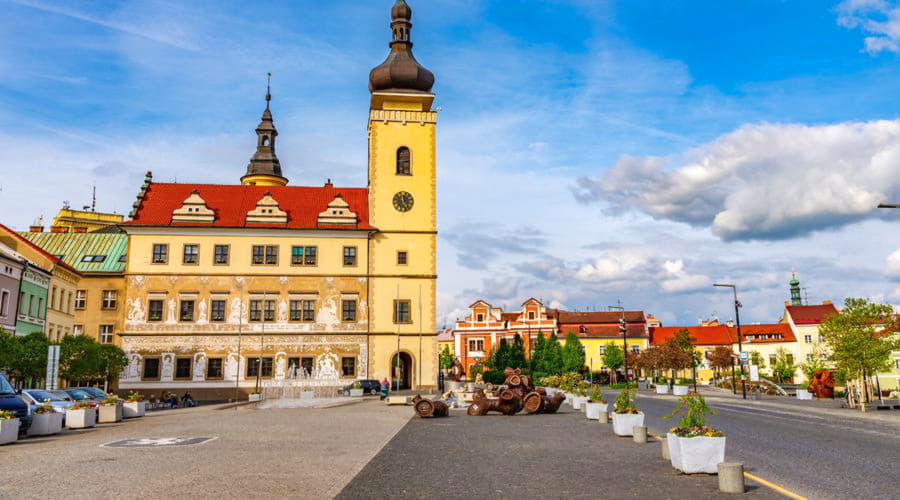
x: 83, y: 395
x: 368, y: 386
x: 98, y: 393
x: 10, y: 401
x: 37, y: 397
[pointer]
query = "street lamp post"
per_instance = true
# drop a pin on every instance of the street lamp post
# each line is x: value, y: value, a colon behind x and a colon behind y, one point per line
x: 624, y: 331
x: 737, y: 318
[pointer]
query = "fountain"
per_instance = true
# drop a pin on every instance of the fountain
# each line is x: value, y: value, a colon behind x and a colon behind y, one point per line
x: 302, y: 388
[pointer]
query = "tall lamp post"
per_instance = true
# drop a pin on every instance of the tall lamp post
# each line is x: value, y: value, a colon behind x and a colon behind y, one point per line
x: 737, y: 318
x: 624, y: 331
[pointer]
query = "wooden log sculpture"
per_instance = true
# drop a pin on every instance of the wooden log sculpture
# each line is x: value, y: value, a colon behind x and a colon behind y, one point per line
x: 551, y: 404
x: 430, y: 407
x: 506, y: 404
x: 822, y: 384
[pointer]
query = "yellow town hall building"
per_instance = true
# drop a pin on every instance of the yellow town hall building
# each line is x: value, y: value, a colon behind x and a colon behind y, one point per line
x: 228, y: 283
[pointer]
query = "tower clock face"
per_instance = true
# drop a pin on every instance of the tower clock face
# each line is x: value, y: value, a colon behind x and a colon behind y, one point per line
x: 403, y: 201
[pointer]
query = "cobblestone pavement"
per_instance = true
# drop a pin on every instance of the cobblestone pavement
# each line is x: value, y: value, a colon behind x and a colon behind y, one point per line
x: 305, y: 453
x: 524, y: 456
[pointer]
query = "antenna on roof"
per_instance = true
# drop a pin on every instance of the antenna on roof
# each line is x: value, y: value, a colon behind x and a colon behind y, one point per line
x: 805, y: 296
x: 94, y: 199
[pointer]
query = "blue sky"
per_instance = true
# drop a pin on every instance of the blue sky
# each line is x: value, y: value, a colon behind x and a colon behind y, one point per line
x: 589, y: 151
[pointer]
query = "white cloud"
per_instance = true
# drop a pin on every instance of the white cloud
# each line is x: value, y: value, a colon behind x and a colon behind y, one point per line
x: 681, y: 280
x: 878, y: 18
x: 892, y: 264
x: 763, y: 181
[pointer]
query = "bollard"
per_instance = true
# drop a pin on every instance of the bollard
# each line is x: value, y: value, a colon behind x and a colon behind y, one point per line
x: 604, y: 417
x: 665, y: 449
x: 731, y: 477
x: 640, y: 434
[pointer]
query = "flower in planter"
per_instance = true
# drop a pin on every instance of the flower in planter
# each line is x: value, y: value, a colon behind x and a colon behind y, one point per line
x: 110, y: 401
x: 357, y: 385
x: 42, y: 409
x: 596, y: 395
x: 693, y: 411
x: 81, y: 405
x: 625, y: 402
x: 7, y: 415
x: 134, y: 397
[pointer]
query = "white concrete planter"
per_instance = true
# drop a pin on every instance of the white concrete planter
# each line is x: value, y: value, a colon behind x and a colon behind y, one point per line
x: 624, y: 423
x: 680, y: 390
x: 109, y: 414
x: 662, y: 389
x: 356, y: 392
x: 551, y: 391
x: 578, y: 402
x: 45, y: 424
x: 81, y: 419
x: 453, y: 385
x: 135, y: 409
x: 307, y: 394
x: 592, y: 410
x: 696, y: 454
x: 9, y: 431
x: 804, y: 394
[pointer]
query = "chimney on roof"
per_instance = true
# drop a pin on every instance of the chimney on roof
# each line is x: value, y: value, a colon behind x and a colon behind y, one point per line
x: 36, y: 229
x: 826, y: 303
x: 59, y: 229
x: 730, y: 323
x: 328, y: 183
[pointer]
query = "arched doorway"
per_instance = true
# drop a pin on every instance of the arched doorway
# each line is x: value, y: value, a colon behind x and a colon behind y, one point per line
x: 401, y: 371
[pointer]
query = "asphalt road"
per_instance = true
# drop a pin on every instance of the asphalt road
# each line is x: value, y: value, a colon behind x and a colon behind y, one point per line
x: 815, y: 455
x: 524, y: 456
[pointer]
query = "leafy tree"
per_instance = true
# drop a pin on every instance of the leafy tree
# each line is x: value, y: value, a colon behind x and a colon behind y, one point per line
x: 861, y: 338
x: 814, y: 363
x: 673, y: 358
x: 757, y: 359
x: 721, y: 358
x: 516, y: 354
x: 446, y: 358
x: 553, y: 358
x: 784, y: 367
x: 80, y: 359
x: 613, y: 359
x: 31, y: 362
x: 112, y: 361
x: 499, y: 358
x: 538, y: 356
x: 683, y: 340
x: 9, y: 351
x: 573, y: 354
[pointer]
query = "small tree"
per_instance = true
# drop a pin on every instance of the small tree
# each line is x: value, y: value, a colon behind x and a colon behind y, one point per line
x: 516, y: 354
x: 813, y: 363
x: 757, y: 359
x: 861, y: 338
x: 112, y: 361
x: 784, y: 368
x: 721, y: 358
x: 80, y: 359
x: 9, y: 351
x: 573, y: 354
x: 613, y: 359
x: 445, y: 359
x: 553, y: 359
x: 31, y: 362
x: 538, y: 354
x: 674, y: 358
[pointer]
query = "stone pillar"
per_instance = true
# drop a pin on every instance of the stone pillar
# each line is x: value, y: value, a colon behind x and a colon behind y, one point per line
x: 731, y: 477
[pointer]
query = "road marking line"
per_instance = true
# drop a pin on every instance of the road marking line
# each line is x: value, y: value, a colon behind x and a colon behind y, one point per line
x: 758, y: 479
x: 774, y: 486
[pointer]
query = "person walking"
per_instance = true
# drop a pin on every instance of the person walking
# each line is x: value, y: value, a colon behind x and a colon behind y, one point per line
x: 385, y: 387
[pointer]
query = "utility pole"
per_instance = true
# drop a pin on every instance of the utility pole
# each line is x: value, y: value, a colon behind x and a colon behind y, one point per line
x: 623, y: 329
x: 737, y: 317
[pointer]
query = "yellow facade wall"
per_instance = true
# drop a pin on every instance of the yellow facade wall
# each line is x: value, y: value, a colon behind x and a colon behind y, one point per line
x: 594, y: 359
x: 93, y: 314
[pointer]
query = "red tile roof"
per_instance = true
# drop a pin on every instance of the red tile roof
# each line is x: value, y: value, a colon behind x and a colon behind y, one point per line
x: 566, y: 317
x: 704, y: 335
x: 509, y: 316
x: 811, y: 315
x: 608, y: 330
x: 783, y: 329
x: 232, y: 202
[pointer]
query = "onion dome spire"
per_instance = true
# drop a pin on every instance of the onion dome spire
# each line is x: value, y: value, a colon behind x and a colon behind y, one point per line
x: 264, y: 168
x: 400, y: 72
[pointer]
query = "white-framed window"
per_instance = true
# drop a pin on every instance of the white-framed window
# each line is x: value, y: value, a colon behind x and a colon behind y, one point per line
x: 109, y: 299
x: 807, y: 339
x: 4, y: 303
x: 106, y: 334
x: 530, y: 314
x: 602, y: 350
x: 77, y: 329
x: 476, y: 345
x: 80, y: 299
x: 479, y: 317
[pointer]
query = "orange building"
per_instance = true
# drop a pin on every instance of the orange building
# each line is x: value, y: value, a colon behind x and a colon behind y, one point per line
x: 480, y: 332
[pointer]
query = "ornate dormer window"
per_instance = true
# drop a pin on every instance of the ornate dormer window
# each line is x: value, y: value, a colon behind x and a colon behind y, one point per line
x: 193, y: 209
x: 267, y: 212
x: 338, y: 212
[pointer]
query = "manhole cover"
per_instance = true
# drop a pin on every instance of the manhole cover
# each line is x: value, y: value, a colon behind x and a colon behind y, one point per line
x: 158, y: 442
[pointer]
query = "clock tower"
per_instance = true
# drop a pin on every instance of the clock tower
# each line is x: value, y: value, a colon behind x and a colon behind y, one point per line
x: 402, y: 206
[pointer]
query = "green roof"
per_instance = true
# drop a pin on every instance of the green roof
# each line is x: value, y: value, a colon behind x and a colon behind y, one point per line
x: 105, y: 251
